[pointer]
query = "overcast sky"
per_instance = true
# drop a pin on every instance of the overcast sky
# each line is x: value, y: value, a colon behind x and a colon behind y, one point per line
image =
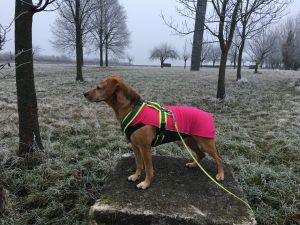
x: 144, y: 22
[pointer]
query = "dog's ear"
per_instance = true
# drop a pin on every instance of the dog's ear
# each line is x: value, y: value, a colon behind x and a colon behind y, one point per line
x: 130, y: 94
x: 116, y: 83
x: 113, y: 84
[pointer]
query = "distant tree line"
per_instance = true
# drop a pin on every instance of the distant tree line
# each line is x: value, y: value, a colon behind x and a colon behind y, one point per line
x: 9, y: 57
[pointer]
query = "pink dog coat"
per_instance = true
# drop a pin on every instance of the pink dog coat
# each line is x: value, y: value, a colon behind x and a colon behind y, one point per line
x: 190, y: 120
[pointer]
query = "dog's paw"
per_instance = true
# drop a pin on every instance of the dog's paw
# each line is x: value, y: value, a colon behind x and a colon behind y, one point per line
x: 133, y: 177
x: 191, y: 165
x: 143, y: 185
x: 220, y: 177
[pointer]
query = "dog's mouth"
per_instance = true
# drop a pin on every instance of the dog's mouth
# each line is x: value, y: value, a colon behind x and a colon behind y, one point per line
x: 91, y: 99
x: 99, y: 100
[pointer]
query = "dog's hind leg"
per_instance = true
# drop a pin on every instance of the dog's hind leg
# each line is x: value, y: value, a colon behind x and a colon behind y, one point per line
x: 138, y: 164
x: 208, y: 145
x: 191, y: 142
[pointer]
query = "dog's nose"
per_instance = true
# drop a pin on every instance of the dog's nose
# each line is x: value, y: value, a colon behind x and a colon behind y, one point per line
x: 86, y: 94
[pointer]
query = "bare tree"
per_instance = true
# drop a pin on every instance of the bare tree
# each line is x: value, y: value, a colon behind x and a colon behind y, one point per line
x: 274, y: 60
x: 204, y: 53
x: 109, y: 30
x: 281, y: 32
x: 289, y: 52
x: 214, y: 53
x: 256, y: 15
x: 129, y: 59
x: 197, y: 50
x: 116, y: 32
x: 222, y: 25
x: 97, y: 26
x: 289, y: 42
x: 74, y: 17
x: 3, y: 31
x: 186, y: 53
x: 64, y: 34
x: 233, y: 51
x: 163, y: 52
x: 29, y: 132
x: 36, y: 51
x: 260, y: 47
x: 194, y: 10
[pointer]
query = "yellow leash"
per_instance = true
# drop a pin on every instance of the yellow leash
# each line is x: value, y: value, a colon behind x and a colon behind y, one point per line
x: 203, y: 170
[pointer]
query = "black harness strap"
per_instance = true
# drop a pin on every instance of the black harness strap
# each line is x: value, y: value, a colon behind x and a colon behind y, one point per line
x: 131, y: 115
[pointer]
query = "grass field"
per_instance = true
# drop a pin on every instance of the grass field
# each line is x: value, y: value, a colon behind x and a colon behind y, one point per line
x: 258, y: 127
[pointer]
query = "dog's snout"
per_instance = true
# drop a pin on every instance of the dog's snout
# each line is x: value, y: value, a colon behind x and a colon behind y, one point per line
x: 86, y: 94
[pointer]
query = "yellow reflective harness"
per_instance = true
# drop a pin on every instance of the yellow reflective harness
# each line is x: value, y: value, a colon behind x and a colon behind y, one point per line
x: 160, y: 137
x: 137, y: 109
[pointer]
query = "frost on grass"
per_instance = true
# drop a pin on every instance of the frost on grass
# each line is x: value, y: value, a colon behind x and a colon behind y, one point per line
x: 258, y: 127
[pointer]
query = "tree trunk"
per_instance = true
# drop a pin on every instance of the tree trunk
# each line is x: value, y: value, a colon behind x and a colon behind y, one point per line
x: 101, y: 32
x: 198, y: 34
x: 101, y: 52
x: 184, y: 64
x: 234, y: 58
x: 79, y: 51
x: 2, y: 200
x: 106, y: 53
x: 256, y: 67
x: 2, y: 194
x: 106, y: 57
x: 162, y: 61
x: 29, y: 133
x: 101, y: 56
x: 82, y: 61
x: 240, y: 58
x: 221, y: 81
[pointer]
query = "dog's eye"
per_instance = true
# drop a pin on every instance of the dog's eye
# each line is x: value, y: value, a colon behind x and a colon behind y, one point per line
x: 98, y: 88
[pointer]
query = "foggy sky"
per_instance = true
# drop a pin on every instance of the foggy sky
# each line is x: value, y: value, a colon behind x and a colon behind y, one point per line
x: 144, y: 22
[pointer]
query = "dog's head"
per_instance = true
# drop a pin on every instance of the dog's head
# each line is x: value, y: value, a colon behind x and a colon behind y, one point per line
x: 110, y: 87
x: 104, y: 90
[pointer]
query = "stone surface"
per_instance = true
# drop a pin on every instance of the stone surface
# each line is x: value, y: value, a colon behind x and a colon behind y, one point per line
x: 177, y: 196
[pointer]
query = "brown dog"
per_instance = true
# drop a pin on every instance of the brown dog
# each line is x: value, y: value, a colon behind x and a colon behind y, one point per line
x: 123, y: 99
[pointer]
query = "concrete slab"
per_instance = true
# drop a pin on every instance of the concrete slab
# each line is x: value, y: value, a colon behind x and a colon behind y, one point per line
x: 177, y: 196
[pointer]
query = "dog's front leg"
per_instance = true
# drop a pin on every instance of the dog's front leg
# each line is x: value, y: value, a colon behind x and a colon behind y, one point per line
x: 138, y: 164
x: 142, y: 139
x: 146, y: 153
